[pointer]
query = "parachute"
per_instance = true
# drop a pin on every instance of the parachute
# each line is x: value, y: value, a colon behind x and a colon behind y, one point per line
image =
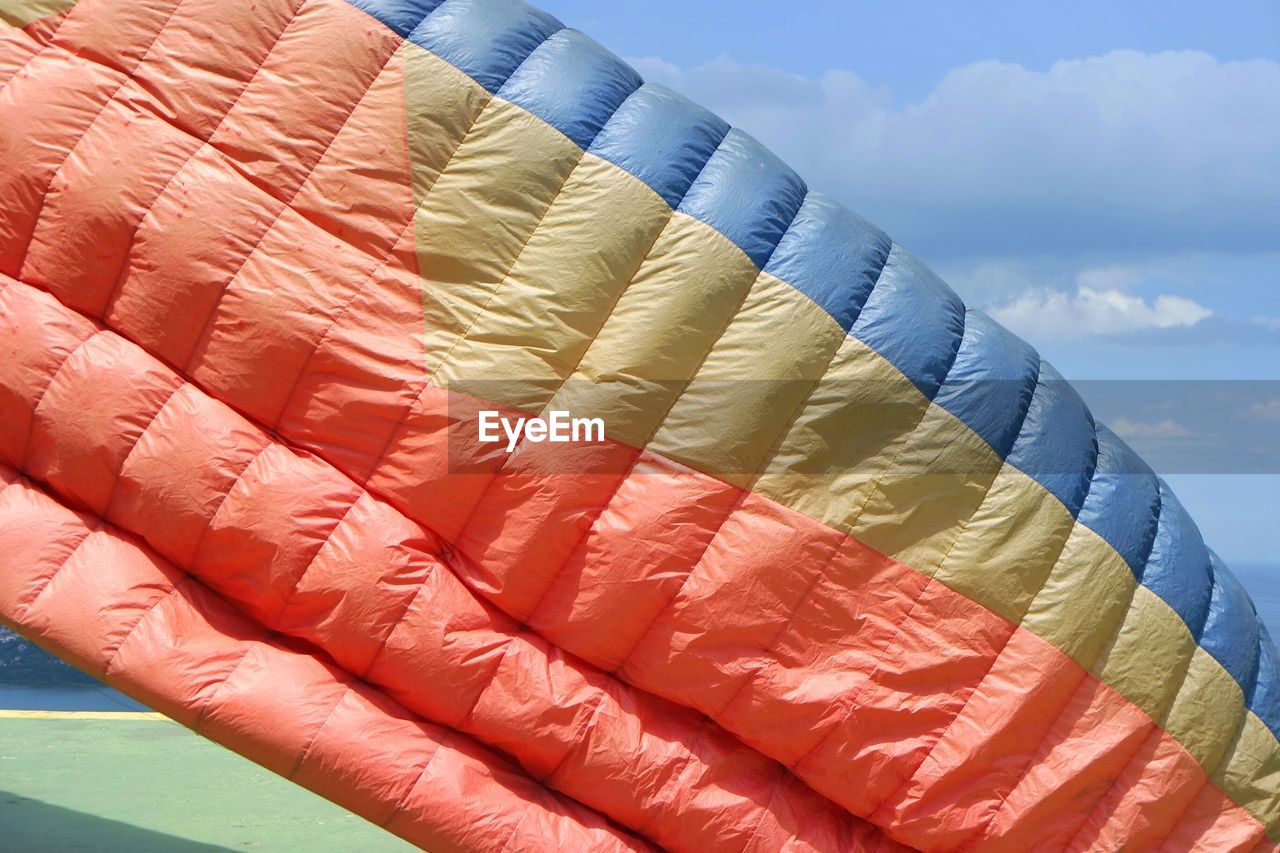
x: 852, y: 569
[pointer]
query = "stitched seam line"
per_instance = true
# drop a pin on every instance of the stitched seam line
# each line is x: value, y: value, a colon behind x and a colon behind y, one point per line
x: 311, y: 741
x: 324, y: 541
x: 977, y: 685
x: 906, y: 616
x: 579, y: 739
x: 45, y: 44
x: 115, y: 649
x: 639, y: 451
x: 124, y: 463
x: 207, y: 706
x: 379, y: 265
x: 57, y: 570
x: 53, y: 176
x: 35, y: 406
x: 207, y: 327
x: 403, y: 803
x: 118, y: 285
x: 766, y: 461
x: 1034, y: 754
x: 424, y: 382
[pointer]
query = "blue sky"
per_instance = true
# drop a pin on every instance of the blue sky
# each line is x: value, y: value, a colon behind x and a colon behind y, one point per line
x: 1102, y: 177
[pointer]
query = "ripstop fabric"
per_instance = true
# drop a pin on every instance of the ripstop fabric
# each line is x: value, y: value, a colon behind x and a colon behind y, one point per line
x: 854, y: 569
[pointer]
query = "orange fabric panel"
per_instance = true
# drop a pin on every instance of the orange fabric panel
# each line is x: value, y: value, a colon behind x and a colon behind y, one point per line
x: 361, y: 189
x: 194, y: 238
x: 206, y: 57
x: 657, y: 496
x: 93, y: 207
x: 295, y: 106
x: 116, y: 36
x: 67, y: 442
x: 113, y: 607
x: 902, y: 641
x: 295, y: 278
x: 304, y: 550
x: 259, y: 266
x: 32, y: 356
x: 58, y: 96
x: 359, y: 375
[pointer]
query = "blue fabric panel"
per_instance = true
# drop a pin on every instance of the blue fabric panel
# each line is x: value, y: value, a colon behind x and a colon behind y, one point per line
x: 486, y: 39
x: 990, y: 384
x: 400, y: 15
x: 1178, y: 570
x: 662, y: 138
x: 1123, y: 501
x: 831, y: 255
x: 573, y: 84
x: 913, y: 320
x: 1057, y: 446
x: 747, y: 194
x: 1266, y: 691
x: 1231, y: 631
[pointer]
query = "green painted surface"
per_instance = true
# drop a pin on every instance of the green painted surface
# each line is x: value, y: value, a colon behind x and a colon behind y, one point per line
x: 71, y: 785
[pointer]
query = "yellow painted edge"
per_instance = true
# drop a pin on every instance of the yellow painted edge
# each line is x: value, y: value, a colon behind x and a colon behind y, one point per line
x: 82, y: 715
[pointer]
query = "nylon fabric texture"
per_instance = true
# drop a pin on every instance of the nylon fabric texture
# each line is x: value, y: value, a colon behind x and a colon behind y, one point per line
x: 854, y: 568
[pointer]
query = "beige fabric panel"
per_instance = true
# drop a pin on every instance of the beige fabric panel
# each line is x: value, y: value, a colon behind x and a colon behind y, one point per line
x: 851, y: 427
x: 1090, y: 584
x: 485, y: 205
x: 1207, y: 712
x: 1148, y: 644
x: 753, y: 382
x: 441, y: 104
x: 542, y: 317
x: 1251, y: 772
x: 1009, y: 546
x: 654, y: 341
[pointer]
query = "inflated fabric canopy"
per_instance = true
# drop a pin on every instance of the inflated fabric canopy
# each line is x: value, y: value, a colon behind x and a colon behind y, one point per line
x: 853, y: 569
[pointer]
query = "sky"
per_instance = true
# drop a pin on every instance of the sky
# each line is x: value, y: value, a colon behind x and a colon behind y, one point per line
x: 1101, y: 177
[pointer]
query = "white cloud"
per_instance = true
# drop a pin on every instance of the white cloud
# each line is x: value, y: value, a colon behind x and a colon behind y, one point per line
x: 1131, y: 430
x: 1057, y: 314
x: 1265, y: 411
x: 1160, y: 151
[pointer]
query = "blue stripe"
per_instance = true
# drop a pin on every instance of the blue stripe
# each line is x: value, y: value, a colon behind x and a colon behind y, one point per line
x: 833, y: 256
x: 1266, y: 690
x: 400, y: 15
x: 1123, y: 501
x: 747, y: 194
x: 1178, y: 570
x: 909, y: 300
x: 908, y: 315
x: 1058, y: 446
x: 991, y: 383
x: 485, y: 39
x: 573, y: 84
x: 1231, y: 631
x: 662, y: 138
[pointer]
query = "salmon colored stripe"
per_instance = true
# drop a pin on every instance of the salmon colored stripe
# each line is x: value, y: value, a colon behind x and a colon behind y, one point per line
x: 302, y: 550
x: 878, y: 684
x: 119, y: 610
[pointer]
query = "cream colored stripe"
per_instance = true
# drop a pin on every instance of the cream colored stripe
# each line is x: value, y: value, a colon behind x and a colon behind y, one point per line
x: 19, y: 13
x: 545, y: 313
x: 479, y: 213
x: 866, y: 453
